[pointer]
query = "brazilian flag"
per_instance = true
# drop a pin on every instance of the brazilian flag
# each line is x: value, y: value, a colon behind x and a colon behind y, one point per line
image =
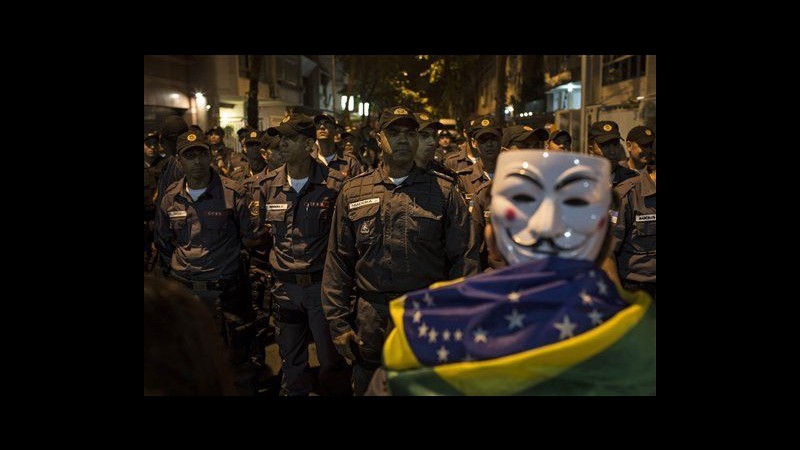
x: 550, y: 327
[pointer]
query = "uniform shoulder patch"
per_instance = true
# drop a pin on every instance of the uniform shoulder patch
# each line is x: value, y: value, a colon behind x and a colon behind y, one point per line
x: 234, y: 185
x: 624, y: 187
x: 466, y: 171
x: 487, y: 185
x: 335, y: 174
x: 358, y: 180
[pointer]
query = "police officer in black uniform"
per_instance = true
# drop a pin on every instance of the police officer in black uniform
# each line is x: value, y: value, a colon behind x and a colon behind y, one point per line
x: 203, y: 223
x: 296, y: 204
x: 476, y: 179
x: 560, y: 140
x: 639, y: 144
x: 444, y: 146
x: 220, y: 154
x: 524, y: 136
x: 426, y: 151
x: 257, y: 154
x: 397, y: 228
x: 634, y: 226
x: 327, y: 152
x: 604, y: 140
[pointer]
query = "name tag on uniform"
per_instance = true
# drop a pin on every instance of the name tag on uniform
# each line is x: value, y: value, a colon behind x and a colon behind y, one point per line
x: 646, y: 218
x: 277, y: 206
x: 214, y: 213
x: 366, y: 202
x: 177, y: 214
x: 322, y: 204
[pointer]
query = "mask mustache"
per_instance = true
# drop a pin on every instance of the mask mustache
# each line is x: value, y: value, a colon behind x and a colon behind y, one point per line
x: 538, y: 243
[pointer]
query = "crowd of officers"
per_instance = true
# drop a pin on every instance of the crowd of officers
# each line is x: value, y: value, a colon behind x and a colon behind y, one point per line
x: 315, y: 228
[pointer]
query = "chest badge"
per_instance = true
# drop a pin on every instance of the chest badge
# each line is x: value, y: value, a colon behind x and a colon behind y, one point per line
x: 364, y: 229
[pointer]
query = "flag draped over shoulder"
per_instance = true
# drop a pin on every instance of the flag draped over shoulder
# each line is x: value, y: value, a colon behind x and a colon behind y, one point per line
x: 549, y: 327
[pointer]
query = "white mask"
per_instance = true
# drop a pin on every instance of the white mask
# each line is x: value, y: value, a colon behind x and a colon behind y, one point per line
x: 550, y: 204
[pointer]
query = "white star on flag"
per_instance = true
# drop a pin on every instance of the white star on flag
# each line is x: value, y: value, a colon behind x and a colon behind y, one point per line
x: 446, y: 335
x: 442, y: 354
x: 514, y: 296
x: 415, y: 304
x: 514, y: 319
x: 596, y: 317
x: 480, y: 336
x: 587, y: 299
x: 432, y: 336
x: 457, y: 335
x: 428, y: 299
x: 566, y: 328
x: 602, y: 287
x: 423, y: 330
x: 591, y: 273
x: 417, y: 317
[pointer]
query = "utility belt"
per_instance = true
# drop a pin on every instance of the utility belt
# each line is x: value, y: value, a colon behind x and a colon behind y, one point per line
x: 211, y: 285
x: 300, y: 279
x: 382, y: 298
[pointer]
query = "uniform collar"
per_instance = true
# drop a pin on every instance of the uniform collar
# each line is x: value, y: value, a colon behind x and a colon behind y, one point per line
x: 383, y: 172
x: 319, y: 172
x: 211, y: 189
x: 477, y: 172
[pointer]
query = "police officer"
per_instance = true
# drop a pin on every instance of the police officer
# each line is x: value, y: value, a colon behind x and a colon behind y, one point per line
x: 258, y: 264
x: 220, y: 154
x: 476, y: 179
x: 351, y: 145
x: 327, y: 153
x: 639, y: 144
x: 445, y: 146
x: 634, y: 233
x: 560, y: 140
x: 604, y: 140
x: 427, y: 146
x: 234, y: 165
x: 242, y: 132
x: 397, y: 228
x: 523, y: 136
x: 203, y: 222
x: 296, y: 204
x: 151, y: 158
x: 486, y: 135
x: 468, y: 155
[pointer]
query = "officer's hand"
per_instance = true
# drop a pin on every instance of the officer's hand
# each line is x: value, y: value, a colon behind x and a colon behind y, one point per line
x: 342, y: 344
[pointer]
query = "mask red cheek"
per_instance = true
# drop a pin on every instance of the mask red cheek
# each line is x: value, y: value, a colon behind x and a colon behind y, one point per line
x: 602, y: 223
x: 510, y: 214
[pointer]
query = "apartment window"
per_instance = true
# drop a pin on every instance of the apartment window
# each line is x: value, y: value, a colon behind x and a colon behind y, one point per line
x: 288, y: 70
x: 246, y: 61
x: 618, y: 68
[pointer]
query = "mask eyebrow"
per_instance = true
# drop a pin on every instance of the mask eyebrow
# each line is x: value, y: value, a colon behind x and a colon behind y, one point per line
x: 574, y: 178
x: 527, y: 177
